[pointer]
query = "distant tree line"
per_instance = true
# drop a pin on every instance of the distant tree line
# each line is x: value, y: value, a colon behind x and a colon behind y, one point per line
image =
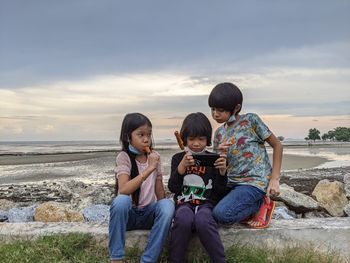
x: 341, y: 134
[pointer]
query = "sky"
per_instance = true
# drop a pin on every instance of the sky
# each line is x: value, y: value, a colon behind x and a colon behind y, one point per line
x: 71, y: 70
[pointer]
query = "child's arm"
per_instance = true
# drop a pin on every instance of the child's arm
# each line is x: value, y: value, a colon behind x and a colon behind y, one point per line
x: 159, y: 189
x: 127, y: 186
x: 274, y: 186
x: 176, y: 178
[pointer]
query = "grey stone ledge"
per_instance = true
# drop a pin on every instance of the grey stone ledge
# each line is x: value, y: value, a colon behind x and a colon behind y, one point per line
x: 326, y: 234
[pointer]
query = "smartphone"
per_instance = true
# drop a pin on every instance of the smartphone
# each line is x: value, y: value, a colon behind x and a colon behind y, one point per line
x: 205, y: 159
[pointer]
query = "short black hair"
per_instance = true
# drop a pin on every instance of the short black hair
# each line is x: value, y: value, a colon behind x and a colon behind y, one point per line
x: 131, y: 122
x: 225, y: 96
x: 196, y: 125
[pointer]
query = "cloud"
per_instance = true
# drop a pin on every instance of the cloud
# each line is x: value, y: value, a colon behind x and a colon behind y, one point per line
x: 44, y: 42
x: 73, y: 70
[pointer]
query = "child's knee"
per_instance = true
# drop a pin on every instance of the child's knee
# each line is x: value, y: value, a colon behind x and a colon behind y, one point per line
x: 121, y: 202
x: 166, y: 208
x: 203, y: 223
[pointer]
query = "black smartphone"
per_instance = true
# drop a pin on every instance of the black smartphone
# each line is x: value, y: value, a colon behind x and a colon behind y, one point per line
x: 205, y: 159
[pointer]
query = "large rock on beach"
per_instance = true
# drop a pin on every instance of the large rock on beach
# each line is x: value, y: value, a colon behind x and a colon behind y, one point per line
x: 96, y: 214
x: 298, y: 202
x: 21, y: 214
x: 331, y: 196
x: 56, y: 212
x: 305, y: 181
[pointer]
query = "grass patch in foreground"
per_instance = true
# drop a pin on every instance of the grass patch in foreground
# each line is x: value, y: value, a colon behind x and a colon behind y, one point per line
x: 82, y: 248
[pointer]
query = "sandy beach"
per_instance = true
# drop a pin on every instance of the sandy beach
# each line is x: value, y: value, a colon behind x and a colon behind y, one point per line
x: 99, y: 166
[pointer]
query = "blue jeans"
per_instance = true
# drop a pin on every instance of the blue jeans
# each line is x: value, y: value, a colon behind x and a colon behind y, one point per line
x: 123, y: 217
x: 240, y: 203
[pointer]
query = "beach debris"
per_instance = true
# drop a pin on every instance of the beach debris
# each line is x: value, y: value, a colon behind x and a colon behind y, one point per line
x: 282, y: 212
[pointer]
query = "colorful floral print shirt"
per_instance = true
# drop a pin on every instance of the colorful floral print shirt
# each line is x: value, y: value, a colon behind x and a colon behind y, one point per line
x: 248, y: 161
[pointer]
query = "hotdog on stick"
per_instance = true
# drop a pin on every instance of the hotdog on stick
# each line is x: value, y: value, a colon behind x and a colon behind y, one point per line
x: 179, y: 140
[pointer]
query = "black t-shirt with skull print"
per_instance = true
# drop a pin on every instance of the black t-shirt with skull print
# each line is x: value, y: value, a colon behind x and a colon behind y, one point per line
x: 199, y: 183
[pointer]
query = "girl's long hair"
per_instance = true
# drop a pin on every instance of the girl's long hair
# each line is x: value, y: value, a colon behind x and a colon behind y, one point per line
x: 131, y: 122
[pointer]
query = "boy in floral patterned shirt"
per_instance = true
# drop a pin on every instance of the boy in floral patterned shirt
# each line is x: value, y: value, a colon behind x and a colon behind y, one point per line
x: 250, y: 174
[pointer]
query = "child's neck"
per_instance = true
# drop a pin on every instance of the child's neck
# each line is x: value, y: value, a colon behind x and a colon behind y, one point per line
x: 142, y: 158
x: 232, y: 120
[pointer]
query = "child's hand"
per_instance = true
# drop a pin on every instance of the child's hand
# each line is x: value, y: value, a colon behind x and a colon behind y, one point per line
x: 186, y: 161
x: 273, y: 189
x: 223, y: 147
x: 220, y: 164
x: 153, y: 160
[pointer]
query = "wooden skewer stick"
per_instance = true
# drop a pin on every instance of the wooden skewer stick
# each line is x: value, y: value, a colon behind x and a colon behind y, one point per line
x: 179, y: 140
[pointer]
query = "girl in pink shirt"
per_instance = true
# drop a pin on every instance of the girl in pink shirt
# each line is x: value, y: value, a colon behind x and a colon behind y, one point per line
x: 141, y: 202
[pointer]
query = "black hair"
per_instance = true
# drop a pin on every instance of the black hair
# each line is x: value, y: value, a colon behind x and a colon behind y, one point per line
x: 225, y: 96
x: 131, y: 122
x: 196, y: 125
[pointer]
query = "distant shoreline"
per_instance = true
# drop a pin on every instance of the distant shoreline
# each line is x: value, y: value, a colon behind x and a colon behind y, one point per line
x: 171, y: 146
x: 290, y: 161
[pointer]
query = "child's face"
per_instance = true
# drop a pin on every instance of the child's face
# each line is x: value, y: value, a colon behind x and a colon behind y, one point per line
x: 197, y: 144
x: 141, y: 137
x: 220, y: 115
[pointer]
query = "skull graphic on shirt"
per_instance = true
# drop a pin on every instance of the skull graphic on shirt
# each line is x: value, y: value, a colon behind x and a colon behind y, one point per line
x: 194, y: 187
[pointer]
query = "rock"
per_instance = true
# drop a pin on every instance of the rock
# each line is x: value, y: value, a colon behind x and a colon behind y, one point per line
x: 347, y: 209
x: 331, y: 196
x: 6, y: 204
x: 56, y: 212
x: 316, y: 214
x: 347, y: 185
x: 305, y: 181
x: 298, y: 202
x: 96, y: 213
x: 4, y: 216
x: 83, y: 195
x: 21, y: 214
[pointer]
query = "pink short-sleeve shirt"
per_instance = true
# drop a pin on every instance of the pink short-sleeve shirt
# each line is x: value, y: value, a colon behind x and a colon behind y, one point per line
x: 147, y: 193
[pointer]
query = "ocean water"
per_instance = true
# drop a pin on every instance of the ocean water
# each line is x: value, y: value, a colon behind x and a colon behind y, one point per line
x: 94, y: 161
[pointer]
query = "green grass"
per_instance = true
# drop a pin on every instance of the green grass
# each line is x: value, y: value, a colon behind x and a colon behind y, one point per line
x: 83, y: 248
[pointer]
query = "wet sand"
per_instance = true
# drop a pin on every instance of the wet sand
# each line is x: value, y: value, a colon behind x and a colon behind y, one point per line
x: 50, y: 158
x: 291, y: 161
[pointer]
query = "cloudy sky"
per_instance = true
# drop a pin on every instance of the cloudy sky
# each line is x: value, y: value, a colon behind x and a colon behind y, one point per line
x: 70, y: 70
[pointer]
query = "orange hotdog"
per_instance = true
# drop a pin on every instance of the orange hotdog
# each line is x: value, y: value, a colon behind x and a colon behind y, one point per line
x: 147, y: 150
x: 179, y: 140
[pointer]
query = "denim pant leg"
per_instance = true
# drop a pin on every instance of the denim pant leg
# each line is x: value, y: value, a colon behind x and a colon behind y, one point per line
x: 181, y: 233
x: 119, y: 215
x: 207, y: 230
x: 162, y: 212
x: 241, y: 202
